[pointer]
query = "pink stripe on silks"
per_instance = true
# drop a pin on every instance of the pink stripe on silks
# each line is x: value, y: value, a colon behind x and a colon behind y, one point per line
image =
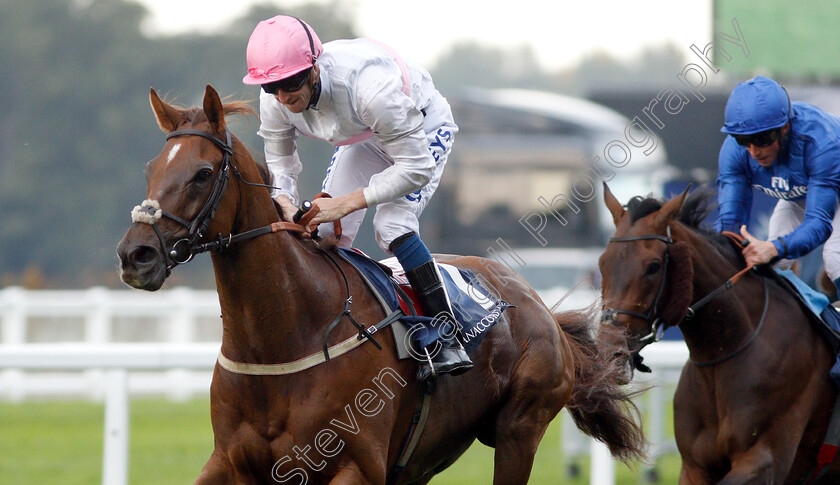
x: 353, y: 139
x: 406, y: 89
x: 356, y: 139
x: 406, y: 79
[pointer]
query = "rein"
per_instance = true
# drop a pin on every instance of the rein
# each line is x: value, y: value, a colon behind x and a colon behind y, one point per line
x: 149, y: 212
x: 653, y: 317
x: 726, y: 286
x: 728, y: 283
x: 749, y: 340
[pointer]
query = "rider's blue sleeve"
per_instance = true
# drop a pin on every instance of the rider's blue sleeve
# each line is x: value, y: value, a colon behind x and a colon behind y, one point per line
x: 734, y: 192
x: 820, y: 205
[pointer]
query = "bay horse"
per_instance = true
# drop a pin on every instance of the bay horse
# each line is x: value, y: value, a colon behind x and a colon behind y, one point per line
x: 754, y: 400
x: 344, y: 421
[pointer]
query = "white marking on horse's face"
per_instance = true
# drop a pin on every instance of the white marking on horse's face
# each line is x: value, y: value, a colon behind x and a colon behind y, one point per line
x: 173, y: 152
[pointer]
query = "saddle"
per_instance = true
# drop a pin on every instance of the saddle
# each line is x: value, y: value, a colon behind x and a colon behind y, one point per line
x: 475, y: 309
x: 819, y: 309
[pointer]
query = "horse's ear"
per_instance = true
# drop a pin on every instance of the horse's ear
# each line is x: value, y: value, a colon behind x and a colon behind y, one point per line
x: 168, y: 118
x: 669, y: 211
x: 213, y: 110
x: 613, y: 205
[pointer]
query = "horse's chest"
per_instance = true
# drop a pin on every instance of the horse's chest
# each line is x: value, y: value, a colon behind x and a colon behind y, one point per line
x: 298, y: 434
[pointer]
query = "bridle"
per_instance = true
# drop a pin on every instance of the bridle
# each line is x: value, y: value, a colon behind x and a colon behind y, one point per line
x: 183, y: 250
x: 652, y: 317
x: 655, y: 320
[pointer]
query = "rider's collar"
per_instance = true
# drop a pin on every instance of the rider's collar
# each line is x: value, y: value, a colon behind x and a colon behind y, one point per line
x: 316, y: 94
x: 784, y: 141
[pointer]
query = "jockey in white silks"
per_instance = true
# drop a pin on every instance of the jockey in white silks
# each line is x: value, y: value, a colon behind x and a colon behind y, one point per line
x: 393, y: 132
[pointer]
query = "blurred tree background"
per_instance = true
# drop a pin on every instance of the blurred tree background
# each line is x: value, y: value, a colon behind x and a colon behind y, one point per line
x: 76, y: 129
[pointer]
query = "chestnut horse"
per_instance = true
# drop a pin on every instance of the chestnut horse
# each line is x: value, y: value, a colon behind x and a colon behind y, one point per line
x: 344, y: 421
x: 754, y: 401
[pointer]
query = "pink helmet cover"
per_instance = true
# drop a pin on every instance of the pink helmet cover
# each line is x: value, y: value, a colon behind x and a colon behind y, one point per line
x: 279, y: 48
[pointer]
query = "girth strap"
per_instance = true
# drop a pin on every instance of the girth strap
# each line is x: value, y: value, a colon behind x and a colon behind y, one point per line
x: 288, y: 367
x: 418, y: 424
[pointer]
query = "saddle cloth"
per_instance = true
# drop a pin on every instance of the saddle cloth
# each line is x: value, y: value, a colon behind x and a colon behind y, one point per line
x: 475, y: 309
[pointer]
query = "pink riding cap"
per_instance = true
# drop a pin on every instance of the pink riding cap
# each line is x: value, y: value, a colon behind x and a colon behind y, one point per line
x: 280, y: 47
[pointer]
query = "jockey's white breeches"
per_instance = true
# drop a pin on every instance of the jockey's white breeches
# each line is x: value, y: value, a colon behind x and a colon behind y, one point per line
x: 354, y: 166
x: 787, y: 216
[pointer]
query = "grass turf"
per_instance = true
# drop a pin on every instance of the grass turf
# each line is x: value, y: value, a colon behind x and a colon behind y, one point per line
x: 60, y: 442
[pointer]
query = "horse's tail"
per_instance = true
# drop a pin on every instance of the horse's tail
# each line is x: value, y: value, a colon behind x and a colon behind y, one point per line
x: 600, y: 406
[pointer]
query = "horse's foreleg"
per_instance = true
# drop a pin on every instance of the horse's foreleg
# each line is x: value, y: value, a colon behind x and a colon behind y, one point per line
x: 349, y: 475
x: 690, y: 474
x: 217, y: 471
x: 756, y: 466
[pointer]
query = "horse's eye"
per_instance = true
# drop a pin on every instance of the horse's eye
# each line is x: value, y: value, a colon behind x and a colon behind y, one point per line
x: 203, y: 176
x: 653, y: 268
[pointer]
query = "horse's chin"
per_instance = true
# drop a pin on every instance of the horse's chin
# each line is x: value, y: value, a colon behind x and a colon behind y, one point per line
x: 615, y: 339
x: 625, y: 369
x: 627, y: 373
x: 150, y: 279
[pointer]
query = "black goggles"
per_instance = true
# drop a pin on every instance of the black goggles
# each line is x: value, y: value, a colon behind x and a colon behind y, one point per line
x: 289, y: 85
x: 760, y: 139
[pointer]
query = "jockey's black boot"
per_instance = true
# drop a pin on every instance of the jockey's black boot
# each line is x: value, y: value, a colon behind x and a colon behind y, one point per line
x: 451, y: 358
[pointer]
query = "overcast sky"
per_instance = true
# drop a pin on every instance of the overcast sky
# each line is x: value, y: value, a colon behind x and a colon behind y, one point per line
x: 560, y: 32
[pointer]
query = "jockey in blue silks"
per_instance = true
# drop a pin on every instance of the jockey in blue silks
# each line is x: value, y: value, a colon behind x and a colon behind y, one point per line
x: 790, y: 151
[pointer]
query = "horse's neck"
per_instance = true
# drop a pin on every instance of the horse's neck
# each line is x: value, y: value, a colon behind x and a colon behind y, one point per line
x: 264, y: 284
x: 729, y: 317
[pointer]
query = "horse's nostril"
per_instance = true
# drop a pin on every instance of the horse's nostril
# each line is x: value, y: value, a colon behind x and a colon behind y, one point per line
x: 144, y: 255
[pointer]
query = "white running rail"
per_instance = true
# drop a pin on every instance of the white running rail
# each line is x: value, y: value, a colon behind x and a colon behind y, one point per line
x: 116, y: 360
x: 100, y: 364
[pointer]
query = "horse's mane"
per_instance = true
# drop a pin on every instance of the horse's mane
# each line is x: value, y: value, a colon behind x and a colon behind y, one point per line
x: 196, y: 115
x: 695, y: 210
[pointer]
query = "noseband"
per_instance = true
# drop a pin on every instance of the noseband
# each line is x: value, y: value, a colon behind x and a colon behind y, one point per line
x: 657, y: 326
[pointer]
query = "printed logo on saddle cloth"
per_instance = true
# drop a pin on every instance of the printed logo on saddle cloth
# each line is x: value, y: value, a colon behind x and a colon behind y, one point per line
x: 475, y: 309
